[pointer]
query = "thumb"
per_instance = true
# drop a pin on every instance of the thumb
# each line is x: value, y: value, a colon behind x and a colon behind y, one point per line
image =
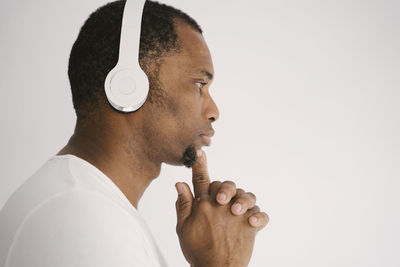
x: 183, y: 204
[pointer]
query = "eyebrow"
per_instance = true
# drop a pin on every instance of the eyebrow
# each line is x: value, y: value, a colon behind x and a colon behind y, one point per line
x: 207, y: 73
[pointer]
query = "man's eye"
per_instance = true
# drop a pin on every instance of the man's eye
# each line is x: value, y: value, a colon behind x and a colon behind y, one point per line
x: 200, y: 84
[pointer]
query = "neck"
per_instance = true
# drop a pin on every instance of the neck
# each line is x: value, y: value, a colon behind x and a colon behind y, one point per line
x: 126, y: 163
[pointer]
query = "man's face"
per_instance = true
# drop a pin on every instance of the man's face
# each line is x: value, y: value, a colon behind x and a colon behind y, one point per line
x: 180, y: 125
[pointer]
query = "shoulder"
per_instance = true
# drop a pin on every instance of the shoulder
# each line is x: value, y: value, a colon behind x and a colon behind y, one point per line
x: 79, y: 228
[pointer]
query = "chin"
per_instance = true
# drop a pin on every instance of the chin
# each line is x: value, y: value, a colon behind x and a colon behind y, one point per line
x: 184, y: 158
x: 189, y: 156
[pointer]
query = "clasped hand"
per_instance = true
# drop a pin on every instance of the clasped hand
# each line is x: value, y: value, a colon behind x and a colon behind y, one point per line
x: 217, y: 226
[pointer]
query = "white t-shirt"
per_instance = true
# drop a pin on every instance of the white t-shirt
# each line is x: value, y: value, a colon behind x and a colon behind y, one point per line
x: 70, y: 214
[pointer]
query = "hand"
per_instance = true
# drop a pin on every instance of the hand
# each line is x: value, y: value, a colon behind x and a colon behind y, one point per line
x: 209, y: 234
x: 241, y: 201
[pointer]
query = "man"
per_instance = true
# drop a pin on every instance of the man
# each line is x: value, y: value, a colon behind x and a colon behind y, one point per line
x: 80, y: 208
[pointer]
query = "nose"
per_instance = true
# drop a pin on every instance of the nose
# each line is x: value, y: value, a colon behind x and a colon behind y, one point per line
x: 211, y: 112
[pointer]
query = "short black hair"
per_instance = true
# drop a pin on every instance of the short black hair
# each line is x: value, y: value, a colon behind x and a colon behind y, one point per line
x: 95, y: 51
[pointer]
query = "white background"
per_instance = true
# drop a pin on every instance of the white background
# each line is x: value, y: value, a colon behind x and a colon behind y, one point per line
x: 309, y: 96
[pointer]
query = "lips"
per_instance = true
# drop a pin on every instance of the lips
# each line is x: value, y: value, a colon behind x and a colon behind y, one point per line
x: 206, y: 137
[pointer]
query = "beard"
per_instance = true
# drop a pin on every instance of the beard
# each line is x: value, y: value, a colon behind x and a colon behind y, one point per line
x: 189, y: 156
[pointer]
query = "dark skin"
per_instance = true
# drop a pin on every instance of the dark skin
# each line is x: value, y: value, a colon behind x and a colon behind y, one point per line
x: 130, y: 148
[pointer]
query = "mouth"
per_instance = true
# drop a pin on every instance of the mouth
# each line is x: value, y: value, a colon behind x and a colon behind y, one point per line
x: 206, y: 137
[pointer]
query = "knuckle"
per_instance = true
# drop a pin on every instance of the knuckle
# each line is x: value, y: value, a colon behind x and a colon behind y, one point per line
x: 255, y: 209
x: 239, y: 191
x: 266, y: 217
x: 200, y: 178
x: 263, y: 220
x: 229, y: 183
x: 245, y: 202
x: 251, y: 196
x: 229, y: 188
x: 214, y: 186
x: 215, y: 183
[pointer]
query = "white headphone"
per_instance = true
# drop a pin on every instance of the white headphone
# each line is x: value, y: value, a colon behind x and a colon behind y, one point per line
x: 126, y: 85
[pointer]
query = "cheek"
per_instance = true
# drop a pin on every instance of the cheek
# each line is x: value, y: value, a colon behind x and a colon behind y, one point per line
x: 175, y: 121
x: 179, y: 116
x: 185, y: 123
x: 185, y: 108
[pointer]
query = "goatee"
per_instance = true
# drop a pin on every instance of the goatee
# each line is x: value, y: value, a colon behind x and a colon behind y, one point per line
x: 189, y: 156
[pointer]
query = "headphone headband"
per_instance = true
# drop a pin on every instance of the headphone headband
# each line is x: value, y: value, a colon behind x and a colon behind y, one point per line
x: 126, y: 85
x: 130, y: 33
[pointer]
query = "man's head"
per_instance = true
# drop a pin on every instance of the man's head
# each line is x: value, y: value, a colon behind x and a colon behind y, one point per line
x: 178, y: 64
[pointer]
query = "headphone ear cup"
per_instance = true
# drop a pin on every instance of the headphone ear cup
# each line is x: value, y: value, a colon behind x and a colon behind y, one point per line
x: 126, y: 89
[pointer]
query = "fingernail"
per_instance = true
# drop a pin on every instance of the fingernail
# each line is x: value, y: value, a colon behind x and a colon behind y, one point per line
x: 237, y: 207
x: 222, y: 197
x: 178, y: 188
x: 199, y: 153
x: 253, y: 220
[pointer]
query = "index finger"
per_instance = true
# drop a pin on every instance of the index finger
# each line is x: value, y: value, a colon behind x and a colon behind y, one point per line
x: 200, y: 178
